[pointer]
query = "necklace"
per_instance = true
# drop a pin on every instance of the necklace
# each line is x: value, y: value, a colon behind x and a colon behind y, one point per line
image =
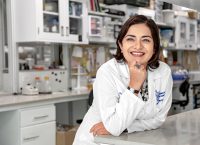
x: 144, y: 91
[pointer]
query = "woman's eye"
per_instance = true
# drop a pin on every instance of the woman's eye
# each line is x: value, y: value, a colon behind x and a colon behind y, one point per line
x: 130, y: 39
x: 146, y: 40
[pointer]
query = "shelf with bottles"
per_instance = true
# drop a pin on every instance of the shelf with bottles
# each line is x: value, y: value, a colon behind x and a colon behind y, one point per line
x: 40, y: 57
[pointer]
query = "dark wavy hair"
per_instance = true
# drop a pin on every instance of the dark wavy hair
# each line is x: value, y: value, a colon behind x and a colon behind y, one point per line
x: 141, y: 19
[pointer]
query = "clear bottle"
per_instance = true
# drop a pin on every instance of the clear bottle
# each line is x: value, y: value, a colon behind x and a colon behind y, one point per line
x: 47, y: 86
x: 54, y: 27
x: 38, y: 83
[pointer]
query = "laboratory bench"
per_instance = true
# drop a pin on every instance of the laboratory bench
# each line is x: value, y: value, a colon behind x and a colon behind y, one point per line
x: 12, y: 102
x: 179, y: 129
x: 31, y: 120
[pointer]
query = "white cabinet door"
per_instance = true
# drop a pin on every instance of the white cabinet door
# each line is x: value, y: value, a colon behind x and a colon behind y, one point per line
x: 192, y: 34
x: 49, y: 20
x: 37, y: 20
x: 62, y: 21
x: 186, y: 33
x: 41, y: 134
x: 181, y: 33
x: 78, y: 21
x: 95, y: 26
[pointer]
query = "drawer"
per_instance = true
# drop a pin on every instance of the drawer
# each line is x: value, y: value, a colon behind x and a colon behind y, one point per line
x: 36, y: 115
x: 41, y: 134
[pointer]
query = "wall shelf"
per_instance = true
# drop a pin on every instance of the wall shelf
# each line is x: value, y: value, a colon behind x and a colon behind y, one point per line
x: 164, y: 25
x: 104, y: 14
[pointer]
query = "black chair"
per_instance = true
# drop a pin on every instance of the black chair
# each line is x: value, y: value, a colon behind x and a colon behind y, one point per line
x: 196, y: 92
x: 90, y: 100
x: 184, y: 89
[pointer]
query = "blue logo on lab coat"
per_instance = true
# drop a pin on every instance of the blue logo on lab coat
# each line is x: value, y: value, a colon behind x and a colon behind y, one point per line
x: 159, y: 96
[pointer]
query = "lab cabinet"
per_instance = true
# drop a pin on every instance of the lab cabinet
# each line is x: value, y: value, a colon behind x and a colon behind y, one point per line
x: 103, y: 28
x: 185, y: 33
x: 41, y: 134
x: 95, y: 26
x: 61, y: 21
x: 29, y: 126
x: 38, y: 125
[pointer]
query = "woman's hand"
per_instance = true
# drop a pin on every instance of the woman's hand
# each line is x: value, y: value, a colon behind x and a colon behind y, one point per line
x: 138, y: 74
x: 99, y: 129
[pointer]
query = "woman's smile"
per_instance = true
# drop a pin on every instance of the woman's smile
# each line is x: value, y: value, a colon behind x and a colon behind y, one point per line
x: 137, y: 53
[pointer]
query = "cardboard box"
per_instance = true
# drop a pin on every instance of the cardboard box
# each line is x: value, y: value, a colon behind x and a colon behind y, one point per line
x: 66, y: 137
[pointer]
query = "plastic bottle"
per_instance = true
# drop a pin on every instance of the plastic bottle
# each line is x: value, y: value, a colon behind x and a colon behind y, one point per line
x: 54, y: 27
x: 38, y: 83
x: 47, y: 86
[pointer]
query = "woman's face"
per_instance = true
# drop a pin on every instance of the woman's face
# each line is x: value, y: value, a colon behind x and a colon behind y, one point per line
x: 137, y: 45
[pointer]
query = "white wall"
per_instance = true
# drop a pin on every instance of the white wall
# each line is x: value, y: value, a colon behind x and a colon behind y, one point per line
x: 193, y: 4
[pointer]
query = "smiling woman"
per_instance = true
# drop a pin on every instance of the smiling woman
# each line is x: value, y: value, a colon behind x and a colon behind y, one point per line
x: 130, y: 92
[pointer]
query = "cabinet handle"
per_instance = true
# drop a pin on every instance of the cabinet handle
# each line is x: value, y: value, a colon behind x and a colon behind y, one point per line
x: 62, y: 31
x: 38, y: 30
x: 31, y: 138
x: 67, y: 31
x: 40, y: 117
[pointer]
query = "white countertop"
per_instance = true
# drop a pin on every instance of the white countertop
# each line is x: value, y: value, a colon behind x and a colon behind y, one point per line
x: 180, y: 129
x: 12, y: 102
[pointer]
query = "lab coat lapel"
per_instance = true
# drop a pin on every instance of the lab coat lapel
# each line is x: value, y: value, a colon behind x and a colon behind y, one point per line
x: 124, y: 70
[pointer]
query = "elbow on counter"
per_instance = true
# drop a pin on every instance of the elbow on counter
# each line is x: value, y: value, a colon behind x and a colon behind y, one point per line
x: 158, y: 124
x: 115, y: 133
x: 114, y: 129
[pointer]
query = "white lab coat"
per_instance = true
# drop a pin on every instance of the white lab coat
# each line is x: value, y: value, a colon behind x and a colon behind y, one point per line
x: 120, y: 109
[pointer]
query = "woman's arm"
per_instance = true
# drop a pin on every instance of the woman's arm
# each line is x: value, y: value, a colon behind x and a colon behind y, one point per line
x: 116, y: 114
x: 157, y: 120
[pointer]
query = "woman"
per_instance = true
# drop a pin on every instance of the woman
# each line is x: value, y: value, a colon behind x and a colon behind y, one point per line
x: 132, y: 91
